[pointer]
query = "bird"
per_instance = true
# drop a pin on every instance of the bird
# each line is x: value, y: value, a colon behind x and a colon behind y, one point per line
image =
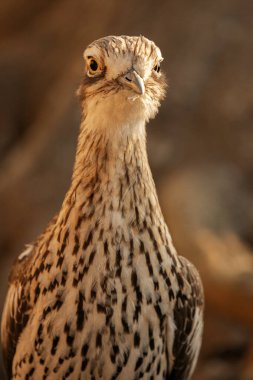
x: 102, y: 293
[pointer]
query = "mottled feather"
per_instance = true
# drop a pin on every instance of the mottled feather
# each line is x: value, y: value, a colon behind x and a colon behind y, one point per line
x: 102, y: 292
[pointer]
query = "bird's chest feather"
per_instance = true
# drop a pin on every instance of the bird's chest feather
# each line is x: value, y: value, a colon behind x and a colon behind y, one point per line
x: 102, y: 301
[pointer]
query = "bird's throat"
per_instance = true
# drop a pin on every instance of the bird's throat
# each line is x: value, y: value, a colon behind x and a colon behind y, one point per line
x: 111, y: 175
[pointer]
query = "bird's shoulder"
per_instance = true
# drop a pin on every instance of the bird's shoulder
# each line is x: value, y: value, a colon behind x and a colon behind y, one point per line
x: 188, y: 321
x: 19, y: 267
x: 192, y: 285
x: 17, y: 307
x: 18, y: 303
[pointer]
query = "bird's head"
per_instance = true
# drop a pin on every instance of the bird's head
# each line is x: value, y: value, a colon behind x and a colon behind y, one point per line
x: 122, y: 82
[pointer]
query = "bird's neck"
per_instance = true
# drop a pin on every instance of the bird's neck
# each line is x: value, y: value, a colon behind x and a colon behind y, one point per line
x: 111, y: 175
x: 105, y: 153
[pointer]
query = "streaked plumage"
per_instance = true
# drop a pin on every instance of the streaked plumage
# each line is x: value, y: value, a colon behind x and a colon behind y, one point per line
x: 102, y: 292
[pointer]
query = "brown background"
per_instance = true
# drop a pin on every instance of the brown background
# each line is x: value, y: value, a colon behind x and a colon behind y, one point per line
x: 200, y: 145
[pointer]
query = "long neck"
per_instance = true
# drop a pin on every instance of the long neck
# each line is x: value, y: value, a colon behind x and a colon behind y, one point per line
x: 111, y: 179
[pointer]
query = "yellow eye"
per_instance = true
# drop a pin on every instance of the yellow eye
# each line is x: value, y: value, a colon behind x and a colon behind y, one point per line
x: 93, y: 66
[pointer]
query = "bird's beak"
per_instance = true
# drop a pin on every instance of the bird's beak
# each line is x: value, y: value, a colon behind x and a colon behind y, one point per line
x: 133, y: 80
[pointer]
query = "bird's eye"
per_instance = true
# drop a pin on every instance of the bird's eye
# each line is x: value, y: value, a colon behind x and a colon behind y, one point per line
x: 157, y: 67
x: 93, y: 67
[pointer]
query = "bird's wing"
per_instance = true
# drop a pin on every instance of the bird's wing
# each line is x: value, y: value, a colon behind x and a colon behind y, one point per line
x: 16, y: 309
x: 188, y: 323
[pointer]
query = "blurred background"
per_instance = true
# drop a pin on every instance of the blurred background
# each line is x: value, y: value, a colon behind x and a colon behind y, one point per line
x: 200, y: 145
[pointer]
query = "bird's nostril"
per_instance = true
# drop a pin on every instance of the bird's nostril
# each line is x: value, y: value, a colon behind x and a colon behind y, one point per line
x: 128, y: 79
